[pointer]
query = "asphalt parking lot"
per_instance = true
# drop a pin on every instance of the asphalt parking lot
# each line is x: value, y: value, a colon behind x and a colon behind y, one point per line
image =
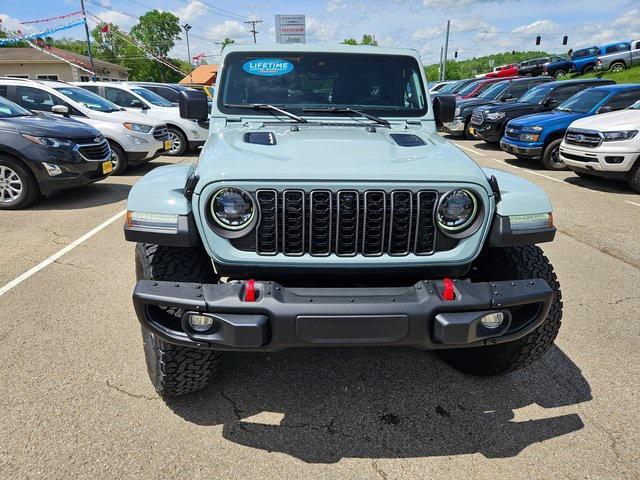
x: 77, y: 402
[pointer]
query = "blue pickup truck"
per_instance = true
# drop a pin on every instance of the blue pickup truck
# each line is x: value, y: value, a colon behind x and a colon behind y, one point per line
x: 538, y: 136
x: 584, y: 60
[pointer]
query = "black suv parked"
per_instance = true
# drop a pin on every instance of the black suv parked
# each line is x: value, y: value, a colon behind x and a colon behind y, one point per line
x: 496, y: 94
x: 42, y: 155
x: 488, y: 123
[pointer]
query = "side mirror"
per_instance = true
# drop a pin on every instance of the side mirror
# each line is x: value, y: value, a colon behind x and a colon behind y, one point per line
x: 60, y: 110
x: 605, y: 109
x: 507, y: 97
x: 138, y: 104
x: 194, y: 105
x: 444, y: 108
x: 551, y: 102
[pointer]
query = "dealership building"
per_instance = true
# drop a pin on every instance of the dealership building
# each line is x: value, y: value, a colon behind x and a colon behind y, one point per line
x: 36, y: 65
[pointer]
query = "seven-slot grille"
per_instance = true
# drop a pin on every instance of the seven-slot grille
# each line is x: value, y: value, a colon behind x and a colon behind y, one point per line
x: 96, y: 151
x: 160, y: 133
x: 583, y: 138
x: 346, y: 223
x: 513, y: 132
x: 477, y: 117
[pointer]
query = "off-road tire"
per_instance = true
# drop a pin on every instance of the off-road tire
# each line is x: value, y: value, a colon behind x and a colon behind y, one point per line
x: 633, y: 177
x: 28, y: 185
x: 513, y: 263
x: 548, y: 156
x: 176, y: 370
x: 121, y: 164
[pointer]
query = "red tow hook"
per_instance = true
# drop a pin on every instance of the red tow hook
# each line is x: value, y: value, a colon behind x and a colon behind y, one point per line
x: 448, y: 293
x: 250, y: 291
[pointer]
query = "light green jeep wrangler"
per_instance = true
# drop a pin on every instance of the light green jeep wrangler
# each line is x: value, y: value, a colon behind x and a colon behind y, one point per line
x: 325, y: 211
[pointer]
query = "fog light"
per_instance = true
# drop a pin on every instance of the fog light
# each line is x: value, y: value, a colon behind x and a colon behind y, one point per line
x: 52, y: 169
x: 200, y: 323
x: 492, y: 320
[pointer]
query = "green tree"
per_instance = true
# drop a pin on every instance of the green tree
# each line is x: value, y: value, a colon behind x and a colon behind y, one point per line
x: 227, y: 41
x: 158, y: 31
x: 366, y: 40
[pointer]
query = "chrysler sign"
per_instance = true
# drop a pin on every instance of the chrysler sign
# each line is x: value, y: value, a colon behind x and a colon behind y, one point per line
x: 290, y: 28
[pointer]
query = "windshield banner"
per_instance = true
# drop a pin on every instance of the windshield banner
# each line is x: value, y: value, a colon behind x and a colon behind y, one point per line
x: 268, y: 67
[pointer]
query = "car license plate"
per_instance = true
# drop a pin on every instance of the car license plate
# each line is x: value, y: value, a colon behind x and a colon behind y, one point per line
x: 472, y: 130
x: 167, y: 144
x: 107, y: 167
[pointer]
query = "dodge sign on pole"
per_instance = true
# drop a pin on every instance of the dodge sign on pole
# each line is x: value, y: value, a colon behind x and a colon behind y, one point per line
x: 290, y: 29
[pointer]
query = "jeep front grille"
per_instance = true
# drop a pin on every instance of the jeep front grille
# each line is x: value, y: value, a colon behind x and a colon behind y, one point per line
x: 345, y: 223
x: 584, y: 138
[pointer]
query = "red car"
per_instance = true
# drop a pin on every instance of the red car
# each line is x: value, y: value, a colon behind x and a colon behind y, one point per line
x: 476, y: 88
x: 502, y: 71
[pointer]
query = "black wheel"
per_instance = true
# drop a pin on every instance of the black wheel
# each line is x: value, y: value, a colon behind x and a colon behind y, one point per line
x: 175, y: 370
x: 513, y: 263
x: 551, y: 156
x: 178, y: 142
x: 18, y: 187
x: 560, y: 74
x: 587, y: 69
x: 118, y: 158
x: 618, y: 67
x: 633, y: 177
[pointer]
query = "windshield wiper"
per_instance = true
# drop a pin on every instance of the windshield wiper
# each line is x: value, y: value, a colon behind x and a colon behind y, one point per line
x: 266, y: 106
x: 373, y: 118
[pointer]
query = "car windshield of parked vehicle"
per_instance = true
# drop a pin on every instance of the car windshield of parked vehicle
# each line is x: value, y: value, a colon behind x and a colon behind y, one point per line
x: 583, y: 102
x: 635, y: 106
x: 9, y: 109
x: 449, y: 88
x: 535, y: 95
x: 383, y: 85
x: 469, y: 88
x: 494, y: 91
x: 88, y: 99
x: 152, y: 98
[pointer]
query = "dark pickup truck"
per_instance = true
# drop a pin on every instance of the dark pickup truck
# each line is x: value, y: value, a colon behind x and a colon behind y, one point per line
x: 557, y: 66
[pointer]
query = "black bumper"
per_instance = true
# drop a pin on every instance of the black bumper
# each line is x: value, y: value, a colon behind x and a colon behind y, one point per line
x: 532, y: 153
x: 489, y: 132
x: 281, y: 317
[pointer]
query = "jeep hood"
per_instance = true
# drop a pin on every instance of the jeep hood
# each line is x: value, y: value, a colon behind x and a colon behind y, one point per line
x: 620, y: 120
x: 334, y: 153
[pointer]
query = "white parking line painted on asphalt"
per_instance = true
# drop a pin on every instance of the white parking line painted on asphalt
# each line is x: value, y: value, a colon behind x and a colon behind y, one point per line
x: 471, y: 150
x: 49, y: 260
x: 633, y: 203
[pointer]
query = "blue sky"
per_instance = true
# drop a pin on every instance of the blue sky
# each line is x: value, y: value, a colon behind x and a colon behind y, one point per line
x: 478, y: 26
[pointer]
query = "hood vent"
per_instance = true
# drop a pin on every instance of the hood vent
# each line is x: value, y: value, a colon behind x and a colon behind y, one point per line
x: 407, y: 139
x: 260, y: 138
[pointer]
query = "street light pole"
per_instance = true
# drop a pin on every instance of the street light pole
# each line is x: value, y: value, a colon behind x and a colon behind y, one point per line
x: 187, y: 27
x: 446, y: 48
x: 86, y: 31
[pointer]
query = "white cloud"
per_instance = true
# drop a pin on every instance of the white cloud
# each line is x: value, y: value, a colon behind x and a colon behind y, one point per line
x: 538, y: 26
x: 320, y: 32
x: 123, y: 21
x: 334, y: 5
x: 229, y: 28
x: 13, y: 24
x: 190, y: 11
x: 458, y: 25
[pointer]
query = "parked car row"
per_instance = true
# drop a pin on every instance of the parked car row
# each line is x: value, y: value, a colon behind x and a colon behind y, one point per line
x: 56, y: 135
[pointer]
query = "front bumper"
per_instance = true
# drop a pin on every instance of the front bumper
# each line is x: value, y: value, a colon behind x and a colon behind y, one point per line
x: 490, y: 132
x: 455, y: 127
x: 281, y: 317
x: 533, y: 152
x: 611, y: 163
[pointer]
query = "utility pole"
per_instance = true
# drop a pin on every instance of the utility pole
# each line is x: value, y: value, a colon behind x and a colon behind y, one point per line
x: 187, y: 27
x: 440, y: 77
x: 86, y: 31
x: 446, y: 48
x: 253, y: 28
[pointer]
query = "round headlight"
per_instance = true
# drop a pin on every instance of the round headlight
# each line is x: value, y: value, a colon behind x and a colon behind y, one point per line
x: 232, y: 208
x: 457, y: 210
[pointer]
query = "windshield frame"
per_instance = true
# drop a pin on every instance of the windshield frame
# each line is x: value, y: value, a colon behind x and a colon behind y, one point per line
x: 384, y: 111
x: 89, y: 93
x: 151, y: 98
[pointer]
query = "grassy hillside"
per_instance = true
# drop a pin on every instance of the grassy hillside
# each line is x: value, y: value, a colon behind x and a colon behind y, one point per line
x: 630, y: 75
x: 468, y: 68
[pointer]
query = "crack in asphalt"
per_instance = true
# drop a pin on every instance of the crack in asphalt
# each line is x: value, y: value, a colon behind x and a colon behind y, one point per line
x: 618, y: 256
x: 379, y: 470
x: 129, y: 394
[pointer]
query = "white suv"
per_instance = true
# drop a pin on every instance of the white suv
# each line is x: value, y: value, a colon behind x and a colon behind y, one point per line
x: 606, y: 145
x: 184, y: 134
x: 133, y: 138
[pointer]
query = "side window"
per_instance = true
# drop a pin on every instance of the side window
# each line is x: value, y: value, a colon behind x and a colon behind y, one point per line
x: 35, y: 99
x: 121, y: 98
x: 92, y: 88
x: 168, y: 93
x: 3, y: 91
x: 623, y: 100
x: 637, y: 47
x: 518, y: 88
x: 563, y: 93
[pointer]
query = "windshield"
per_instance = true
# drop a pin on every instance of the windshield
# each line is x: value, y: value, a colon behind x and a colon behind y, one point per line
x: 635, y: 106
x: 494, y: 90
x: 583, y: 102
x: 469, y: 88
x: 535, y: 95
x: 384, y: 85
x: 88, y: 99
x: 152, y: 98
x: 449, y: 87
x: 10, y: 109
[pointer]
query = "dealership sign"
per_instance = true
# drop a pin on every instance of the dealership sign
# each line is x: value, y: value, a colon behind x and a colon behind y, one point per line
x: 290, y: 29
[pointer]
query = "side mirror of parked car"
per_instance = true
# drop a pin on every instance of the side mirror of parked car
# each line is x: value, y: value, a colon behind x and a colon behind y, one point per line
x: 551, y: 102
x: 138, y: 104
x: 194, y: 105
x: 60, y: 110
x: 507, y: 97
x: 605, y: 109
x: 444, y: 108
